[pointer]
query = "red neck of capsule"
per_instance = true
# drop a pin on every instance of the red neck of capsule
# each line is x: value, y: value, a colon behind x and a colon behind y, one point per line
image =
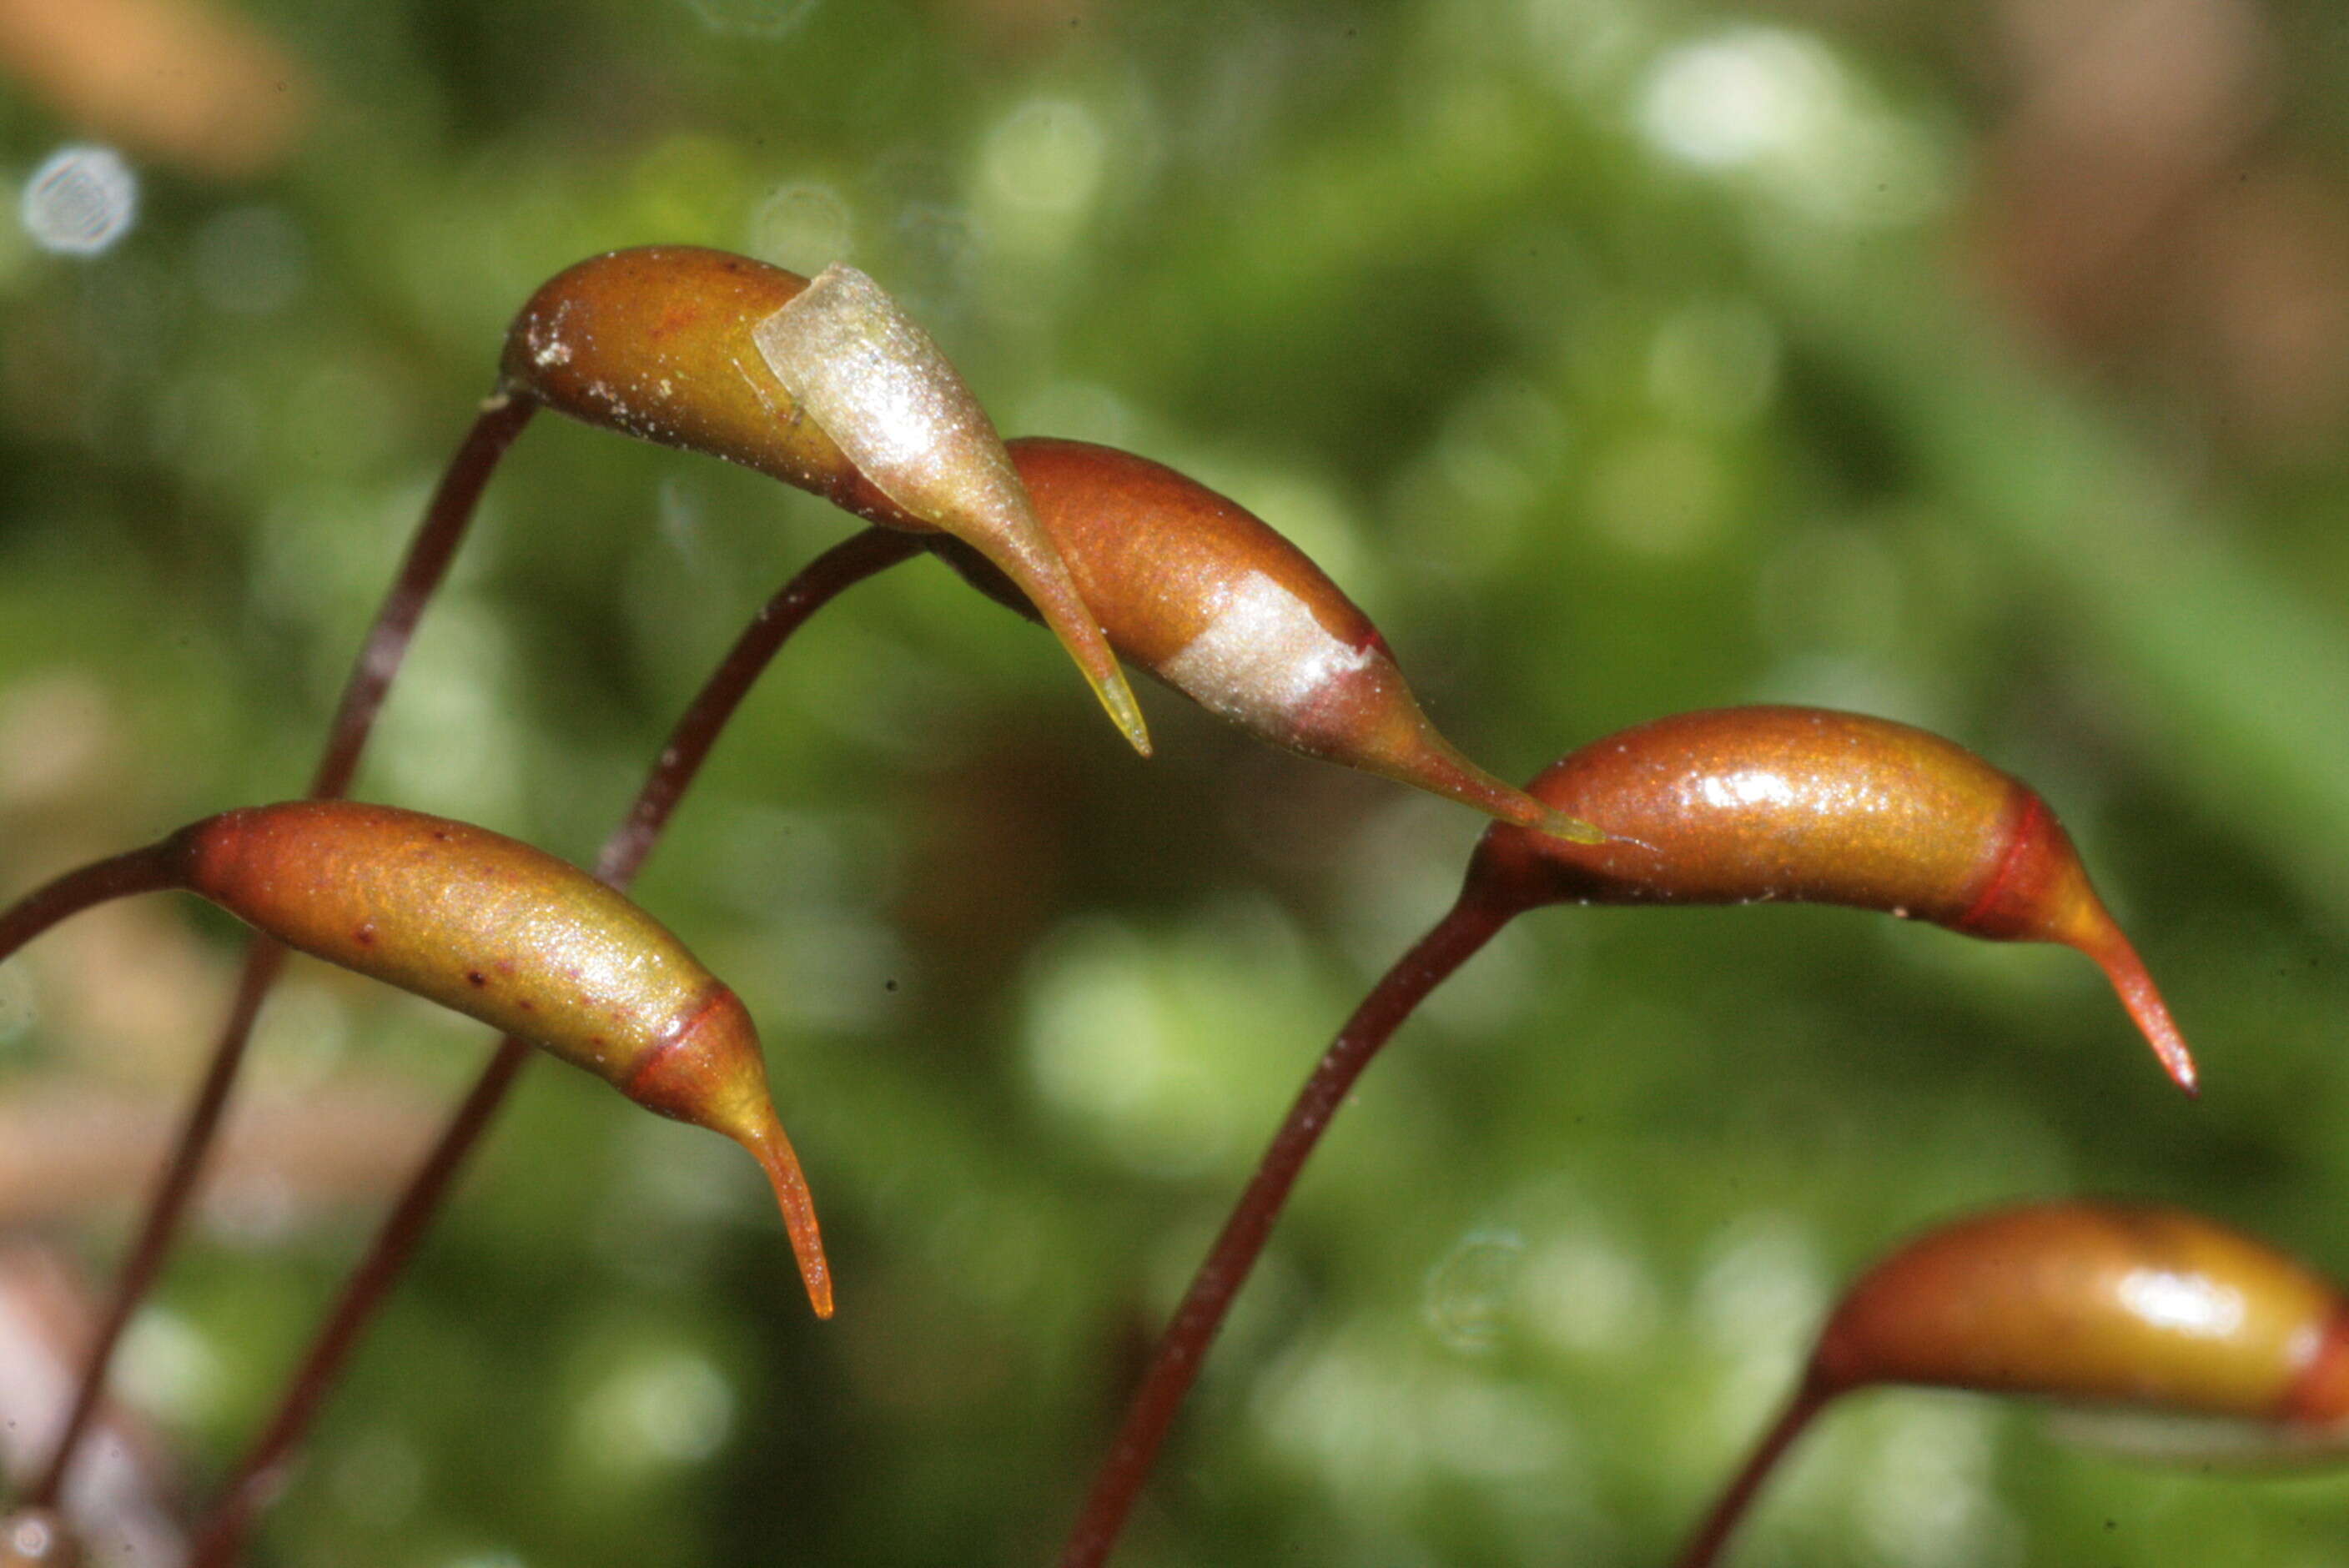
x: 2012, y: 900
x: 2319, y: 1397
x: 2040, y: 892
x: 1508, y: 874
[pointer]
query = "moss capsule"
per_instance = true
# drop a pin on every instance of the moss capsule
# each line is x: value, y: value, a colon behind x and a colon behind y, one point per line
x: 1745, y: 805
x: 1204, y: 596
x: 494, y: 929
x: 2100, y: 1304
x: 826, y: 385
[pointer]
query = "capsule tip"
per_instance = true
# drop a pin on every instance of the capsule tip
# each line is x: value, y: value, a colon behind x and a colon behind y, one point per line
x: 1036, y: 565
x: 1524, y: 810
x: 1124, y: 712
x: 1573, y: 830
x: 2181, y: 1073
x: 775, y: 1155
x: 1030, y: 558
x: 1419, y: 755
x: 2136, y: 989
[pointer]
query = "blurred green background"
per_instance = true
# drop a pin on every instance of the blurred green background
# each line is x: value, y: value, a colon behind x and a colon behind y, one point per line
x: 1984, y: 365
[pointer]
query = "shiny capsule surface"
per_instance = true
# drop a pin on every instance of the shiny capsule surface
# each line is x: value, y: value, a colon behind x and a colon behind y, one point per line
x: 2114, y: 1308
x: 1745, y: 805
x: 473, y: 920
x: 2098, y: 1302
x: 1749, y: 805
x: 656, y: 343
x: 507, y: 933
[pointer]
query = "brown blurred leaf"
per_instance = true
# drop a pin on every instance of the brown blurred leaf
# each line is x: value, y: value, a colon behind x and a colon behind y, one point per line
x: 180, y: 80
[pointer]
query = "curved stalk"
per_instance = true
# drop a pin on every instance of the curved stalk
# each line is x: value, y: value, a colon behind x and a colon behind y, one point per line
x: 1705, y: 1545
x: 1183, y: 1348
x: 259, y: 1475
x: 147, y: 870
x: 421, y: 573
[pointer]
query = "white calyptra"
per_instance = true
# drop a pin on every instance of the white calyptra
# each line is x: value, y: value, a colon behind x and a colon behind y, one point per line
x: 873, y: 381
x: 881, y: 389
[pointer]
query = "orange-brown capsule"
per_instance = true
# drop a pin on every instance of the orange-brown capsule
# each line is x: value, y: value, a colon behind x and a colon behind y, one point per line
x: 2100, y: 1302
x: 1204, y: 596
x: 826, y: 385
x: 2096, y: 1304
x: 1744, y: 805
x: 494, y: 928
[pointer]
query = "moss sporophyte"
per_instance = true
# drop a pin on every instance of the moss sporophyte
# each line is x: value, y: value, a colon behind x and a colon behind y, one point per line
x: 828, y: 384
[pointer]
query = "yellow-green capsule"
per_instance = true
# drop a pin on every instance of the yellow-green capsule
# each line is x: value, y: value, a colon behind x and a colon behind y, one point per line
x: 2109, y: 1305
x: 2100, y: 1302
x: 494, y: 928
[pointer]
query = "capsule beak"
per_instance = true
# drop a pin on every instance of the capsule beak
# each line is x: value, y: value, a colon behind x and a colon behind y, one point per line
x: 1027, y: 555
x: 2114, y: 955
x: 1520, y: 810
x: 775, y: 1155
x: 1411, y: 750
x: 711, y: 1073
x: 1573, y: 830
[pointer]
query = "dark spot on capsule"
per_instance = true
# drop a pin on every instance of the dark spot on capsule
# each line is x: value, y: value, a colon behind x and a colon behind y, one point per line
x: 364, y: 937
x: 475, y: 978
x: 528, y: 1006
x: 439, y: 836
